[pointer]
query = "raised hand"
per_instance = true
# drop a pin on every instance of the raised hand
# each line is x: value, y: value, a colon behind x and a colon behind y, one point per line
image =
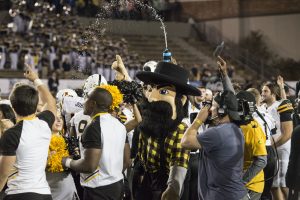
x: 280, y: 81
x: 30, y: 74
x: 204, y: 113
x: 120, y: 69
x: 222, y: 65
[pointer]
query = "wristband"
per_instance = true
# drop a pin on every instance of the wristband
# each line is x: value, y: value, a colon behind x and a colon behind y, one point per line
x: 68, y: 162
x: 38, y: 82
x: 198, y: 121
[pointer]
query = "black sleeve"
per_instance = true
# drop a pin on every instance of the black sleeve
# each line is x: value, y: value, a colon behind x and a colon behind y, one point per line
x: 10, y: 139
x: 91, y: 137
x: 48, y: 117
x: 286, y: 116
x: 285, y: 110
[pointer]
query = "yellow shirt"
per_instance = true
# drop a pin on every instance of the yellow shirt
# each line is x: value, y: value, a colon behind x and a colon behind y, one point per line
x: 255, y: 145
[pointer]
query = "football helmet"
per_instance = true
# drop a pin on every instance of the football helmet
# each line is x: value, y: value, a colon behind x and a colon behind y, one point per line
x: 149, y: 66
x: 91, y: 82
x: 63, y: 93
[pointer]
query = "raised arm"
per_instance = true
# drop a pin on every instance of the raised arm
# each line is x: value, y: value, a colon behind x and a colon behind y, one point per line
x: 189, y: 139
x: 132, y: 124
x: 227, y: 85
x: 44, y: 92
x: 280, y: 82
x: 120, y: 69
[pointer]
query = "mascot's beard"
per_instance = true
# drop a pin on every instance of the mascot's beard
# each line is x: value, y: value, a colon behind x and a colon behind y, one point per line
x: 157, y: 118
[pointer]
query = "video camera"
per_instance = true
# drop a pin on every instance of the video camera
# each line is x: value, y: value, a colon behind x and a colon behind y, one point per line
x: 193, y: 115
x: 246, y: 110
x: 207, y: 103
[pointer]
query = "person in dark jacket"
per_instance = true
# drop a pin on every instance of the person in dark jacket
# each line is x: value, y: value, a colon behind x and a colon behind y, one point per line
x: 293, y: 172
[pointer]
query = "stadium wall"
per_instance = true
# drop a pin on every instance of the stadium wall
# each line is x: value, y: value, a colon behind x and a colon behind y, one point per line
x: 219, y: 9
x: 281, y: 31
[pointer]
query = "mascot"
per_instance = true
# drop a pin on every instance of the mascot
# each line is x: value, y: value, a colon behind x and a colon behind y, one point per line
x: 163, y: 160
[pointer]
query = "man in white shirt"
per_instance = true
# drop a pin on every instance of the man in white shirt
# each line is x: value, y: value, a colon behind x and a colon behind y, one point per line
x: 281, y: 111
x: 24, y: 147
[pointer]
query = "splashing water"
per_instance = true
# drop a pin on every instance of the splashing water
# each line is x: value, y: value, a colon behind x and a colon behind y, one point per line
x: 163, y: 27
x: 157, y: 17
x: 99, y: 24
x: 99, y: 27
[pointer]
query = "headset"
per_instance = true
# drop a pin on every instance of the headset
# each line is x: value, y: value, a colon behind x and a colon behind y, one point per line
x: 222, y: 111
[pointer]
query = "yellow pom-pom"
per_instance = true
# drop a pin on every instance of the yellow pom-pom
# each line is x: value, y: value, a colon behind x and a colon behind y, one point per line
x: 57, y: 150
x: 115, y: 93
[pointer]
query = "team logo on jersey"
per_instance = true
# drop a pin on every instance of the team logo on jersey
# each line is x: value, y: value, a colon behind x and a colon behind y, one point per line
x: 79, y: 105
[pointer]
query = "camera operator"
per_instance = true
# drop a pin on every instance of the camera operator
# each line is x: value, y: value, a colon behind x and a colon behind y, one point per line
x: 268, y: 124
x: 222, y: 149
x: 221, y: 158
x: 255, y: 155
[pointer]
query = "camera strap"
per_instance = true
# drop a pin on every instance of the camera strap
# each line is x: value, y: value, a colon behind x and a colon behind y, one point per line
x: 265, y: 122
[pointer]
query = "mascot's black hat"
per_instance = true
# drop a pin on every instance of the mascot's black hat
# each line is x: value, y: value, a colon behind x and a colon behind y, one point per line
x: 168, y: 73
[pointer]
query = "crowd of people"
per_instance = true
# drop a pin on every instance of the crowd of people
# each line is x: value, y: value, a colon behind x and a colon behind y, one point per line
x: 162, y: 138
x: 59, y: 43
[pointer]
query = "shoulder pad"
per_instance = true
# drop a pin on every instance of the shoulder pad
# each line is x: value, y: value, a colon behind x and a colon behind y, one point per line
x: 285, y: 105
